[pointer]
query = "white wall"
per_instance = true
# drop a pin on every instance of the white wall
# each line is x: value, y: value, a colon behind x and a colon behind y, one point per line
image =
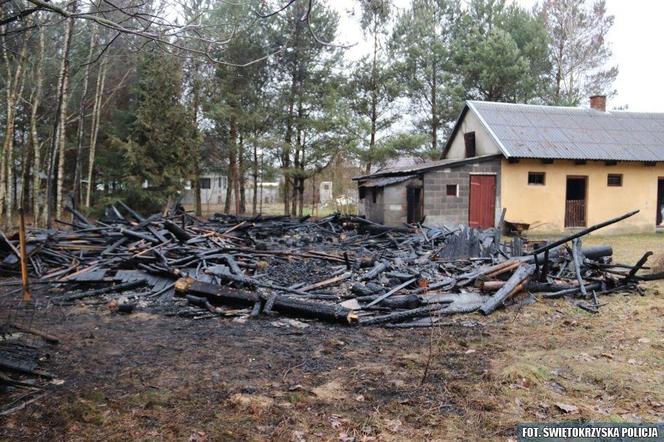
x: 484, y: 142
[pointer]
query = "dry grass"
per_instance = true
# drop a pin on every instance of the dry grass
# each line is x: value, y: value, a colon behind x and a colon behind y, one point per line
x: 146, y: 377
x: 557, y: 362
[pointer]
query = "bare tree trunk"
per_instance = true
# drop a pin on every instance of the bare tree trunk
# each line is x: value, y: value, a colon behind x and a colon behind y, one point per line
x: 233, y: 149
x: 300, y: 187
x: 14, y: 84
x: 196, y: 187
x: 295, y: 178
x: 37, y: 200
x: 81, y: 120
x: 298, y: 163
x: 195, y: 103
x: 229, y: 189
x: 59, y: 133
x: 288, y: 139
x: 559, y: 73
x: 242, y: 178
x: 285, y: 156
x: 374, y: 99
x: 94, y: 130
x: 62, y: 145
x: 26, y: 164
x: 255, y: 179
x: 313, y: 196
x: 434, y: 109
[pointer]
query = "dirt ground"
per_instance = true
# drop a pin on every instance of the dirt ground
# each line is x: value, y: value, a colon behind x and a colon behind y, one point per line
x: 148, y: 377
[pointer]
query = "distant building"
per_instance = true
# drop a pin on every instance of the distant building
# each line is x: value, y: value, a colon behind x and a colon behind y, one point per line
x: 557, y: 168
x: 325, y: 192
x: 214, y: 187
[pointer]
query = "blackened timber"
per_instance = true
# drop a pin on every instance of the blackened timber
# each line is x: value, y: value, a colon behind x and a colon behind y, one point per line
x: 513, y: 284
x: 402, y: 316
x: 177, y: 231
x: 392, y: 291
x: 33, y: 331
x: 375, y: 271
x: 639, y: 264
x: 6, y: 364
x: 78, y: 216
x: 138, y: 235
x: 572, y: 291
x: 111, y: 289
x: 432, y: 310
x: 576, y: 259
x: 131, y: 212
x: 327, y: 283
x: 584, y: 232
x: 282, y: 304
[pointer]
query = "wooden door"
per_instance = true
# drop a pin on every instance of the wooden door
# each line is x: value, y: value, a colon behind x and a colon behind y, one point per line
x: 482, y: 201
x: 414, y: 204
x: 660, y: 201
x: 575, y: 202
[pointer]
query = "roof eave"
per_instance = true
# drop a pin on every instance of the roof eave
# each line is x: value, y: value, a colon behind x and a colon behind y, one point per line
x: 424, y: 168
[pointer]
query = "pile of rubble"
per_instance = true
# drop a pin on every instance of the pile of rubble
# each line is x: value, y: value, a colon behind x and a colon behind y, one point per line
x: 342, y: 269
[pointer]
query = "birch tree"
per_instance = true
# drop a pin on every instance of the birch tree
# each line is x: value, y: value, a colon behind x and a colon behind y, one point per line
x: 81, y: 117
x: 58, y: 143
x: 35, y: 101
x: 14, y: 84
x: 94, y: 129
x: 422, y: 40
x: 580, y: 51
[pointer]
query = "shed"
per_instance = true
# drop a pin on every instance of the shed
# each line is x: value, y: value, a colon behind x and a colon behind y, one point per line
x: 554, y: 168
x: 438, y: 192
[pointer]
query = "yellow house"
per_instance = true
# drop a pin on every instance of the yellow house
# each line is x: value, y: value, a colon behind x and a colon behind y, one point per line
x: 554, y: 168
x: 564, y: 168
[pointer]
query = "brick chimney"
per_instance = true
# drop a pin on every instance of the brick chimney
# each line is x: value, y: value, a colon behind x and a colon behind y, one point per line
x: 598, y: 102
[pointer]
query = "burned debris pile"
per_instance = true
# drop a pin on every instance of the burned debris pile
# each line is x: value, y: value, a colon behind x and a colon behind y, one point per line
x: 342, y: 269
x: 25, y: 351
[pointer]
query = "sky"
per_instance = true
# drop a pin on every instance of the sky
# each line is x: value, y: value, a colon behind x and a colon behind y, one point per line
x: 634, y: 38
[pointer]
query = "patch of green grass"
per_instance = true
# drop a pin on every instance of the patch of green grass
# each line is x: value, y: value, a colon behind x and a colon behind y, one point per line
x: 523, y: 371
x: 615, y: 419
x: 87, y: 408
x: 295, y: 398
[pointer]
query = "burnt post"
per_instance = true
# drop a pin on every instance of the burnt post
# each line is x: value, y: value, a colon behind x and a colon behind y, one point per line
x: 27, y: 296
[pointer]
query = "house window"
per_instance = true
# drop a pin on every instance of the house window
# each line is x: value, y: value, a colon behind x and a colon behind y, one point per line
x: 363, y: 192
x: 326, y: 186
x: 614, y: 180
x: 469, y: 140
x: 536, y: 178
x: 452, y: 190
x: 374, y: 195
x: 205, y: 183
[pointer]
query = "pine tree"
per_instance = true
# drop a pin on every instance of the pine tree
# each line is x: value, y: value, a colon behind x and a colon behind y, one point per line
x: 422, y: 40
x: 160, y: 138
x: 501, y: 53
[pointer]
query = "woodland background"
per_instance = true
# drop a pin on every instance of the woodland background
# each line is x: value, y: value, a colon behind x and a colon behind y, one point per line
x: 132, y: 99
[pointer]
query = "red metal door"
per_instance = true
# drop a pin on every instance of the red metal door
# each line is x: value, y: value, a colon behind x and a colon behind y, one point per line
x: 482, y: 201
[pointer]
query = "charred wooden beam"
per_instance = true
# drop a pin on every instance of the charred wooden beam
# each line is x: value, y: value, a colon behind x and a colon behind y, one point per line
x: 377, y: 269
x: 576, y: 259
x: 584, y: 232
x: 640, y: 263
x: 177, y: 231
x: 281, y: 304
x: 33, y: 331
x: 513, y: 285
x: 111, y: 289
